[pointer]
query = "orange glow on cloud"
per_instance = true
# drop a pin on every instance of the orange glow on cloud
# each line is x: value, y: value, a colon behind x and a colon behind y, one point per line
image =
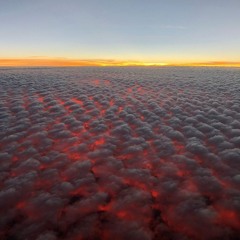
x: 62, y: 62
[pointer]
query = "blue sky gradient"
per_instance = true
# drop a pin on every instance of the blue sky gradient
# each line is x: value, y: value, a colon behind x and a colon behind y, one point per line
x: 153, y: 30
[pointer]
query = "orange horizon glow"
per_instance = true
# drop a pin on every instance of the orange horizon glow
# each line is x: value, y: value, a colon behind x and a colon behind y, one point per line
x: 63, y: 62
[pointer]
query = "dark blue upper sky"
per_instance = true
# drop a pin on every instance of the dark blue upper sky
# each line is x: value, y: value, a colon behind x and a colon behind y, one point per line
x: 146, y: 30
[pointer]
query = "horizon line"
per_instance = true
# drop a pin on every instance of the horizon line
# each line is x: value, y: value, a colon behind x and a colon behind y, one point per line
x: 65, y: 62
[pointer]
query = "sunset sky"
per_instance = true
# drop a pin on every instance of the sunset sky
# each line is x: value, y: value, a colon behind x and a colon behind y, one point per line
x: 114, y: 32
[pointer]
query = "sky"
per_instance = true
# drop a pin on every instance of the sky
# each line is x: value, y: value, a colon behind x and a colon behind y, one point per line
x: 119, y: 32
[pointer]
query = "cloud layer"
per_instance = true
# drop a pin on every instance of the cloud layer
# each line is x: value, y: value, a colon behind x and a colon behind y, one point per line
x: 119, y: 153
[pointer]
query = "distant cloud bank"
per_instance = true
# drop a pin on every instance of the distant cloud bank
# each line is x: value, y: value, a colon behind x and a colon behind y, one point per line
x: 56, y: 62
